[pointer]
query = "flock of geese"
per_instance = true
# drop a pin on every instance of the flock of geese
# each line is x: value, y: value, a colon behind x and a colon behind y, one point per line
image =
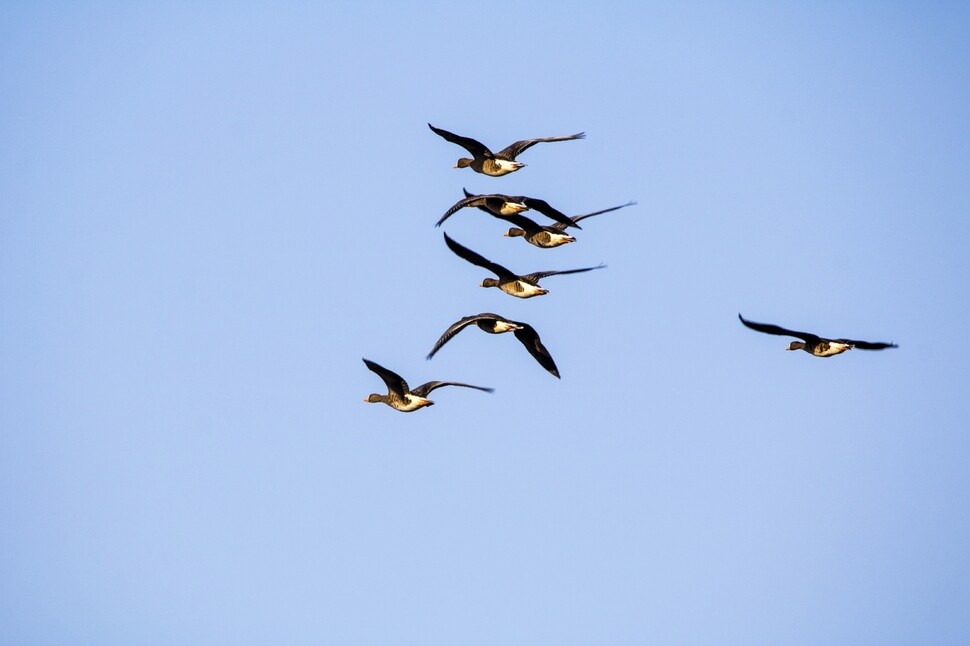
x: 510, y: 208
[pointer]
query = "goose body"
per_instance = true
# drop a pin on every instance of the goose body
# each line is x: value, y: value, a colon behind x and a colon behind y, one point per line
x: 525, y: 286
x: 553, y: 235
x: 400, y: 397
x: 505, y: 205
x: 536, y: 234
x: 542, y: 236
x: 495, y: 324
x: 495, y: 164
x: 813, y: 344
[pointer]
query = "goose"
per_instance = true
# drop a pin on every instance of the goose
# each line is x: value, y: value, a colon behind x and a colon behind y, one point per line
x: 400, y: 397
x: 504, y: 205
x: 525, y: 286
x: 816, y: 345
x: 495, y: 164
x: 495, y: 324
x: 553, y: 235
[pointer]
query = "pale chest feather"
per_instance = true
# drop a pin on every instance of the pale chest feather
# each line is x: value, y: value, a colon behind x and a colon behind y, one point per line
x: 522, y: 289
x: 410, y: 403
x: 830, y: 348
x: 503, y: 326
x: 501, y: 166
x: 550, y: 239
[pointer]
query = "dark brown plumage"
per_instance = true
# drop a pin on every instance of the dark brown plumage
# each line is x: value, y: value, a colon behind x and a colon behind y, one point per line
x: 813, y: 344
x: 525, y: 286
x: 495, y: 164
x: 495, y: 324
x: 400, y: 397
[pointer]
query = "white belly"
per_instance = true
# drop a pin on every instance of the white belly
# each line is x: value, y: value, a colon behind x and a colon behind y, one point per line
x: 833, y: 349
x: 508, y: 166
x: 412, y: 403
x: 505, y: 326
x: 523, y: 289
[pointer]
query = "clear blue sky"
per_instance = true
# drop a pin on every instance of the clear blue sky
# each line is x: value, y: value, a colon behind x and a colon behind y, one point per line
x: 210, y: 213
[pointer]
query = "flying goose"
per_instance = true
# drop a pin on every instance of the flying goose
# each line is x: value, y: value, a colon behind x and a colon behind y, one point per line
x: 495, y: 164
x: 504, y: 205
x: 813, y: 344
x: 553, y: 235
x: 495, y: 324
x: 400, y: 397
x: 525, y: 286
x: 550, y: 236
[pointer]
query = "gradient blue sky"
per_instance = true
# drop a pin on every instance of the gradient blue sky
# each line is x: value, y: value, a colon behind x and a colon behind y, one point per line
x: 210, y: 212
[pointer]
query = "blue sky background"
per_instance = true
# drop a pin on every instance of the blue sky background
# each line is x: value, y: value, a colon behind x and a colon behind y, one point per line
x: 209, y: 214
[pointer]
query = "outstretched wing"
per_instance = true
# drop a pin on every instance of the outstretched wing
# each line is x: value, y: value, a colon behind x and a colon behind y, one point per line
x: 526, y: 224
x: 578, y: 218
x: 394, y: 382
x: 543, y: 207
x: 472, y: 200
x: 519, y: 147
x: 482, y: 205
x: 768, y: 328
x: 476, y: 259
x: 457, y: 327
x: 539, y: 275
x: 530, y: 339
x: 424, y: 389
x: 476, y: 148
x: 866, y: 345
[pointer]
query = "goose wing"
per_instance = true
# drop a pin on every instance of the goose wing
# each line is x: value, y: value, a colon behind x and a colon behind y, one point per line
x: 457, y: 327
x: 539, y: 275
x: 476, y: 259
x: 768, y: 328
x: 578, y: 218
x: 425, y: 389
x: 528, y: 336
x: 514, y: 150
x: 476, y: 148
x: 492, y: 202
x: 526, y: 224
x: 543, y: 207
x: 394, y: 382
x: 471, y: 200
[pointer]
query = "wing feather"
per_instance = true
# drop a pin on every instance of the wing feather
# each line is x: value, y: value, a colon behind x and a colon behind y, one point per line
x: 476, y: 148
x: 457, y: 327
x: 425, y: 389
x: 476, y: 259
x: 512, y: 151
x: 394, y: 382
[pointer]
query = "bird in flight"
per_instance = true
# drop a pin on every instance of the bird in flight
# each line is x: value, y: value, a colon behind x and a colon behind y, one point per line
x: 547, y: 237
x: 504, y: 205
x: 813, y: 344
x: 495, y: 164
x: 400, y: 397
x: 495, y: 324
x: 525, y: 286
